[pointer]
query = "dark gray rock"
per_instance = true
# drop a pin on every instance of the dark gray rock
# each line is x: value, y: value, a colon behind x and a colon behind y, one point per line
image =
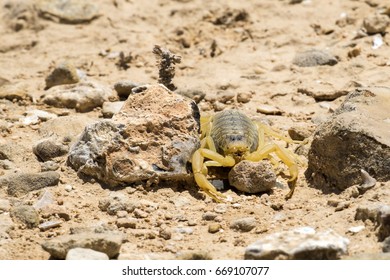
x: 22, y: 183
x: 298, y: 244
x: 355, y: 137
x: 25, y: 214
x: 253, y: 177
x: 312, y: 58
x: 108, y: 243
x: 48, y: 149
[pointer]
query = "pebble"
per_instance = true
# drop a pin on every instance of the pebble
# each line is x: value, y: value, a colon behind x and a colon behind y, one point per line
x: 64, y: 73
x: 111, y: 108
x: 368, y: 182
x: 301, y: 132
x: 244, y: 97
x: 386, y: 245
x: 25, y: 214
x: 376, y: 24
x: 108, y: 243
x: 68, y: 188
x: 138, y: 213
x: 299, y: 244
x: 36, y: 116
x: 356, y: 229
x: 22, y: 183
x: 126, y: 223
x: 214, y: 228
x: 165, y: 233
x: 68, y: 11
x: 49, y: 224
x: 209, y: 216
x: 227, y: 97
x: 117, y: 202
x: 220, y: 208
x: 48, y: 149
x: 312, y: 58
x: 123, y: 88
x: 268, y: 110
x: 243, y: 224
x: 85, y: 254
x: 184, y: 230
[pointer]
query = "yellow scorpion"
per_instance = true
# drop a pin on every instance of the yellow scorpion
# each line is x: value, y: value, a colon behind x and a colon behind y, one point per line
x: 229, y: 137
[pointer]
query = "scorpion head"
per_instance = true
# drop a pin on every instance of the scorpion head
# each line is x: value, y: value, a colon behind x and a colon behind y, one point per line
x: 236, y: 146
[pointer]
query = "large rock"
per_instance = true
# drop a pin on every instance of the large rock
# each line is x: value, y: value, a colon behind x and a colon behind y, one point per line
x: 355, y: 137
x: 302, y: 243
x: 153, y: 136
x: 108, y: 243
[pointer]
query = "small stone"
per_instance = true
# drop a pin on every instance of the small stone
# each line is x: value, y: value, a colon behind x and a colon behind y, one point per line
x: 195, y: 94
x: 165, y: 233
x: 386, y: 245
x: 138, y: 213
x: 268, y: 110
x: 368, y: 182
x: 252, y: 177
x: 194, y: 255
x: 227, y: 97
x: 36, y: 116
x: 376, y: 24
x: 53, y: 210
x: 184, y: 230
x: 214, y: 228
x: 13, y: 92
x: 63, y: 74
x: 117, y: 202
x: 49, y: 224
x: 45, y: 199
x: 220, y: 208
x: 49, y: 166
x: 244, y: 224
x: 25, y: 214
x: 209, y: 216
x: 126, y: 223
x: 108, y: 243
x: 301, y: 132
x: 85, y: 254
x: 356, y: 229
x: 111, y: 108
x: 48, y: 149
x: 314, y: 58
x: 22, y: 183
x: 121, y: 214
x: 244, y: 97
x: 123, y: 88
x: 298, y: 244
x: 68, y: 188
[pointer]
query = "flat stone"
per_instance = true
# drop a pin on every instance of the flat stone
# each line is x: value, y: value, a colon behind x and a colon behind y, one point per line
x: 108, y: 243
x: 252, y: 177
x: 312, y: 58
x: 68, y: 11
x: 21, y: 183
x: 49, y: 224
x: 13, y: 92
x: 268, y: 110
x: 152, y: 136
x: 25, y: 214
x: 355, y: 137
x: 298, y: 244
x: 244, y: 224
x: 83, y: 96
x: 64, y: 73
x: 111, y: 108
x: 85, y: 254
x: 323, y: 92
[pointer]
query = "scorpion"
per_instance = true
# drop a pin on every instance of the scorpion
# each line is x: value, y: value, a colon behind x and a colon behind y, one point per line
x: 229, y: 137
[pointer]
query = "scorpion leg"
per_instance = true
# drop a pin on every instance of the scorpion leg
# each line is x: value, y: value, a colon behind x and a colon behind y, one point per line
x: 285, y: 156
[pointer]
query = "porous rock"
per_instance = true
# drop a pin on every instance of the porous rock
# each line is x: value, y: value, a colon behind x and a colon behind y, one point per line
x: 299, y: 244
x: 108, y: 243
x: 21, y: 183
x: 355, y: 137
x: 152, y: 136
x: 85, y: 254
x: 64, y: 73
x: 68, y: 11
x: 252, y: 177
x: 312, y: 58
x: 83, y: 96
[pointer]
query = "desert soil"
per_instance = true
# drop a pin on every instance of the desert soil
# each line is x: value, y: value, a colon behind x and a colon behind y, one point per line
x: 239, y: 54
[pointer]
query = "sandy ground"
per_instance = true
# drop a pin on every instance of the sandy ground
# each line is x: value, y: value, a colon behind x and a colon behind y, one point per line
x: 228, y: 48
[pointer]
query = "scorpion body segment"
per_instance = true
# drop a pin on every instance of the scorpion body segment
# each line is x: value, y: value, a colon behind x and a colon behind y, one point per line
x: 229, y: 137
